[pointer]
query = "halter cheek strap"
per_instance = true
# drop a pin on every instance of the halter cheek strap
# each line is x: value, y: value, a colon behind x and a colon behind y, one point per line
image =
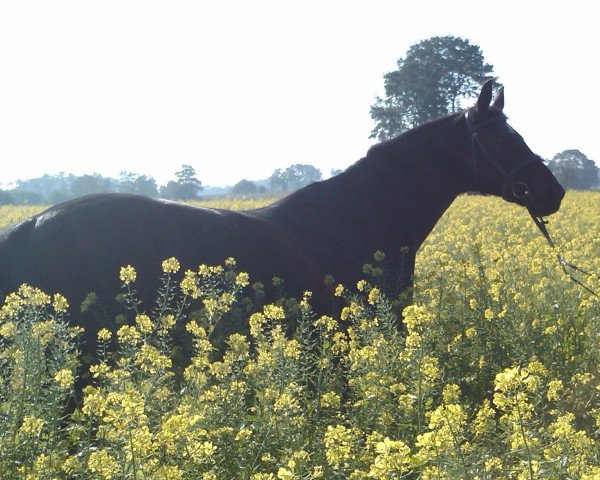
x: 518, y: 189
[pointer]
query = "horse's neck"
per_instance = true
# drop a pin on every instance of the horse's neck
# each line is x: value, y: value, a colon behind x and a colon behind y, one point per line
x: 388, y: 200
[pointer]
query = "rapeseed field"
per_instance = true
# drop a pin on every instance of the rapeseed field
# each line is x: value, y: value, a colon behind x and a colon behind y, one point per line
x: 494, y: 373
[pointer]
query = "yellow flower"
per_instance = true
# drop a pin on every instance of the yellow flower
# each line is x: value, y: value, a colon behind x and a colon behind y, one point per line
x: 31, y: 426
x: 201, y: 451
x: 554, y: 389
x: 188, y: 284
x: 102, y: 463
x: 273, y: 312
x: 143, y: 323
x: 393, y: 457
x: 374, y: 296
x: 451, y: 393
x: 99, y: 370
x: 127, y: 274
x: 168, y: 473
x: 128, y: 335
x: 8, y: 329
x: 330, y: 400
x: 485, y: 420
x: 64, y: 378
x: 285, y: 474
x: 104, y: 334
x: 170, y: 265
x: 60, y: 303
x: 242, y: 279
x: 328, y: 323
x: 44, y: 331
x: 339, y: 442
x: 470, y: 332
x: 150, y: 360
x: 166, y: 323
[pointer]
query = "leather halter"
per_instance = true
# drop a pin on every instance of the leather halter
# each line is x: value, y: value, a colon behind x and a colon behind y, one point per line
x: 519, y: 189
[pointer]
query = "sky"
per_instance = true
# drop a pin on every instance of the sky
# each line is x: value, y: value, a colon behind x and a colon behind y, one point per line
x: 238, y: 88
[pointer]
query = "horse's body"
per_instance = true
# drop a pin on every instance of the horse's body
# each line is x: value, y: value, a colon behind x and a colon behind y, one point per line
x: 389, y: 201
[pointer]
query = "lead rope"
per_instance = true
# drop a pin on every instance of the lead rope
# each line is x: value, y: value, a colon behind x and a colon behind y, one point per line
x: 541, y: 224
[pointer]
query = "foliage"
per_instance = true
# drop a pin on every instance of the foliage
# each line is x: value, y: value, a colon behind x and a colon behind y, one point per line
x: 495, y: 374
x: 245, y: 187
x: 89, y: 184
x: 294, y: 177
x: 575, y: 170
x: 130, y: 182
x: 186, y: 187
x: 434, y: 78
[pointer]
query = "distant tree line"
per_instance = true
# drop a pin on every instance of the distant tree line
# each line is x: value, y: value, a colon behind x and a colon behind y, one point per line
x: 53, y: 189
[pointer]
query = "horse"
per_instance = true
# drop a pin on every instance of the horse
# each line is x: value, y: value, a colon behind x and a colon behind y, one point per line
x: 388, y: 201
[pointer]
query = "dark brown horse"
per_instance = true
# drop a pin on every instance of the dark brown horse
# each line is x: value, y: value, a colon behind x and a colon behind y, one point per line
x: 389, y: 201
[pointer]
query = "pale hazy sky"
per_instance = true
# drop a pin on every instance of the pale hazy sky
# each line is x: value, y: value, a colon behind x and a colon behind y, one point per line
x: 239, y: 88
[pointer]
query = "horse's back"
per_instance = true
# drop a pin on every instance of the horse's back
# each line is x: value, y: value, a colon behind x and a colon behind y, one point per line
x: 79, y: 246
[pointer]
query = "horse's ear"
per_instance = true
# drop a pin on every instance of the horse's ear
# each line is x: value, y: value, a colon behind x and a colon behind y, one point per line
x: 499, y: 102
x: 485, y: 97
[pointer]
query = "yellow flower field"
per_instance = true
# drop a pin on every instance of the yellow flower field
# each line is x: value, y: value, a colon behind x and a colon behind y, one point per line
x: 494, y: 373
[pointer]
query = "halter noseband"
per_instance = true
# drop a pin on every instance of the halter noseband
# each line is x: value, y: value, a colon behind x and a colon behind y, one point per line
x: 518, y: 189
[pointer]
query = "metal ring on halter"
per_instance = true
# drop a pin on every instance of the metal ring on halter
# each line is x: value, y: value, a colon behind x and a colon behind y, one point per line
x: 520, y: 190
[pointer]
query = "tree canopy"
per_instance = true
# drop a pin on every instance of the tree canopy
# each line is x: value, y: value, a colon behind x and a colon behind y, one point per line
x: 294, y: 177
x: 575, y: 170
x: 186, y: 187
x: 432, y: 80
x: 244, y: 187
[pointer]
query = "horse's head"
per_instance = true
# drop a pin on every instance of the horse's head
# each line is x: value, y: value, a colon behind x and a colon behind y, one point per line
x: 503, y: 164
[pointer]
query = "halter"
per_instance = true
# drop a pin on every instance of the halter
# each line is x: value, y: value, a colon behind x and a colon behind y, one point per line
x: 520, y: 191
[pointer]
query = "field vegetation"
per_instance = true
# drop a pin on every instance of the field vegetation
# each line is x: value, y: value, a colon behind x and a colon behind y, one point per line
x: 494, y: 374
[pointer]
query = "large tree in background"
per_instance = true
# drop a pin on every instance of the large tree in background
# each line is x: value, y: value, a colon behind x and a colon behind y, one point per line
x: 573, y: 169
x: 432, y: 80
x: 186, y: 187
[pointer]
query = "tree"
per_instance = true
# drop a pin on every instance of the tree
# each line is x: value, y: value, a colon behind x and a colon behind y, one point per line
x: 5, y: 198
x: 88, y: 184
x: 244, y: 187
x: 294, y: 177
x: 138, y: 184
x: 575, y: 170
x: 26, y: 197
x: 186, y: 187
x: 433, y: 80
